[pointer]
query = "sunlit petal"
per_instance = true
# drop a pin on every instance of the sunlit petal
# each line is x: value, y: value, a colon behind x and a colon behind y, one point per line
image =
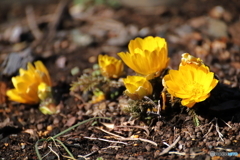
x: 45, y: 75
x: 13, y: 94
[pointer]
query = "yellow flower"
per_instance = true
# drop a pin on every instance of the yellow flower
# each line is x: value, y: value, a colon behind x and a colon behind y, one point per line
x: 26, y: 84
x: 137, y: 87
x: 110, y: 66
x: 192, y: 82
x: 148, y: 56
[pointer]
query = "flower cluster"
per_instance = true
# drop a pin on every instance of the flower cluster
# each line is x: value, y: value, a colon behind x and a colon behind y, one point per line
x: 148, y: 57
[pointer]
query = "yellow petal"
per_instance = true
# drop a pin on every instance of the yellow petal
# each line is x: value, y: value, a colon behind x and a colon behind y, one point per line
x: 131, y: 95
x: 30, y: 68
x: 203, y: 98
x: 46, y: 77
x: 176, y: 77
x: 141, y: 92
x: 131, y: 87
x: 13, y: 95
x: 188, y: 103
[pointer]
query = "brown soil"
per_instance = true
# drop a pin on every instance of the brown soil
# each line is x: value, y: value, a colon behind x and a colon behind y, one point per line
x: 193, y: 26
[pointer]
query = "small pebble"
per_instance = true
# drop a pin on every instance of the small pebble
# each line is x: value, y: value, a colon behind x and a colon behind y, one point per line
x: 210, y: 134
x: 199, y: 135
x: 71, y: 121
x: 197, y: 130
x: 95, y: 148
x: 232, y: 138
x: 227, y: 142
x: 193, y: 137
x: 75, y: 71
x: 148, y: 148
x: 140, y: 158
x: 61, y: 62
x: 190, y: 130
x: 132, y: 158
x: 92, y: 59
x: 238, y: 137
x: 220, y: 144
x: 188, y: 138
x: 159, y: 124
x: 217, y: 12
x: 188, y: 144
x: 201, y: 144
x: 40, y: 126
x: 64, y: 44
x: 156, y: 153
x: 209, y: 138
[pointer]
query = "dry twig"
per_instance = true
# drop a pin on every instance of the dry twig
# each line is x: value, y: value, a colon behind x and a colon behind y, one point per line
x: 138, y: 139
x: 87, y: 155
x: 106, y: 140
x: 219, y: 133
x: 54, y: 152
x: 208, y: 130
x: 217, y: 129
x: 128, y: 139
x: 183, y: 153
x: 113, y: 134
x: 226, y: 123
x: 140, y: 127
x: 170, y: 147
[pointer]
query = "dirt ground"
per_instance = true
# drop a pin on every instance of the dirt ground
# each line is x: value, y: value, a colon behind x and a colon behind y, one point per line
x: 64, y: 38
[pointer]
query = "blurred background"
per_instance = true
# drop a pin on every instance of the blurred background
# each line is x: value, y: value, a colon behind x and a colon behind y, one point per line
x: 70, y: 33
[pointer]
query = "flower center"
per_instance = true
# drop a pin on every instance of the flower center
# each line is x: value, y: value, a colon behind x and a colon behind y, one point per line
x: 197, y: 89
